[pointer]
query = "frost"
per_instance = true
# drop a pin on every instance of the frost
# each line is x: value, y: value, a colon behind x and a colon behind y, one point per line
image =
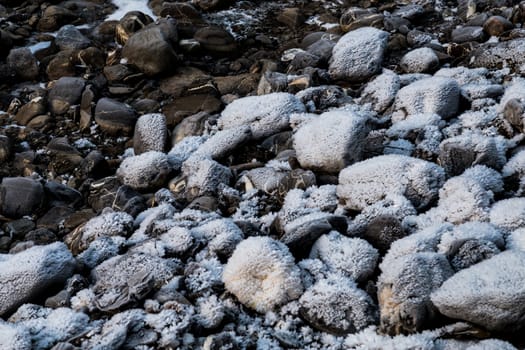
x: 145, y: 171
x: 203, y: 176
x: 171, y: 324
x: 182, y: 150
x: 14, y: 337
x: 147, y: 219
x: 210, y: 312
x: 381, y: 91
x: 262, y: 274
x: 223, y: 142
x: 337, y: 305
x: 516, y: 240
x: 203, y: 277
x: 339, y: 139
x: 84, y: 300
x: 222, y: 235
x: 490, y: 294
x: 433, y: 95
x: 374, y: 179
x: 351, y: 257
x: 178, y: 241
x: 358, y: 54
x: 508, y: 214
x: 150, y: 133
x: 266, y: 114
x: 424, y: 130
x: 470, y: 231
x: 516, y: 89
x: 464, y: 75
x: 419, y: 60
x: 108, y: 224
x: 369, y: 339
x: 101, y: 249
x: 514, y: 171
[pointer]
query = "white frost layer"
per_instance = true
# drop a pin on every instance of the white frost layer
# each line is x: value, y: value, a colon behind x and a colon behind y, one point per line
x: 124, y: 6
x: 145, y: 171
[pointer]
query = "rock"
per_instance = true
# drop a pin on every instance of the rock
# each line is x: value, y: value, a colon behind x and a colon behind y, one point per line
x: 404, y: 289
x: 351, y: 257
x: 184, y: 81
x: 372, y: 180
x: 381, y: 91
x: 27, y: 275
x: 482, y: 293
x: 266, y: 115
x: 6, y: 148
x: 319, y: 98
x: 70, y: 38
x: 62, y: 65
x: 131, y: 23
x: 382, y: 231
x: 340, y: 135
x: 203, y: 177
x: 494, y: 55
x: 189, y: 105
x: 466, y: 34
x: 55, y: 17
x: 115, y: 118
x: 150, y: 133
x: 497, y: 25
x: 32, y: 109
x: 146, y: 171
x: 64, y: 157
x: 151, y: 49
x: 358, y: 55
x: 291, y: 17
x: 507, y: 214
x: 20, y: 196
x: 210, y: 5
x: 65, y: 93
x: 241, y: 84
x: 216, y: 40
x: 336, y: 305
x: 432, y: 95
x: 23, y: 63
x: 224, y: 142
x: 356, y: 17
x: 14, y: 337
x: 262, y: 274
x: 514, y: 113
x: 126, y: 279
x: 422, y: 60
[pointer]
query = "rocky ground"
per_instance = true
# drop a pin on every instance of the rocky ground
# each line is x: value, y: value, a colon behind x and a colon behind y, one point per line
x: 262, y: 175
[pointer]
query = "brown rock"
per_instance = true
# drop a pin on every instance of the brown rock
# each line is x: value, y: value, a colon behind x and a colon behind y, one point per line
x: 131, y: 23
x: 188, y: 105
x: 65, y: 93
x: 291, y: 17
x: 242, y: 84
x: 62, y: 65
x: 115, y: 118
x: 30, y: 110
x: 216, y: 40
x: 185, y: 80
x: 55, y: 17
x: 497, y: 25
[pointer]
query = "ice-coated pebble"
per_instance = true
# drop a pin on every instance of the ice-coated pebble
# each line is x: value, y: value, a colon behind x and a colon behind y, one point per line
x: 30, y: 273
x: 178, y: 241
x: 203, y: 277
x: 320, y: 98
x: 516, y: 240
x: 358, y: 54
x: 490, y: 294
x: 351, y: 257
x: 20, y: 196
x: 339, y: 138
x: 150, y: 133
x: 371, y: 180
x: 420, y: 60
x: 146, y: 171
x: 508, y: 214
x: 128, y: 278
x: 461, y: 152
x: 336, y: 305
x: 433, y: 95
x: 203, y: 176
x: 101, y: 249
x: 404, y: 288
x: 266, y: 114
x: 381, y: 91
x: 262, y: 274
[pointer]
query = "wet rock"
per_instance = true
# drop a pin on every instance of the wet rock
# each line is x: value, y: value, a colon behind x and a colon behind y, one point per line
x: 216, y: 40
x: 497, y: 25
x: 266, y: 115
x: 150, y: 133
x: 131, y: 23
x: 262, y: 274
x: 420, y: 60
x: 358, y: 54
x: 404, y: 289
x: 23, y: 63
x: 64, y: 157
x: 65, y: 93
x: 465, y: 295
x: 128, y: 278
x: 20, y: 196
x: 209, y: 5
x: 341, y: 134
x: 466, y: 34
x: 70, y: 38
x: 28, y: 274
x: 151, y: 49
x: 371, y: 180
x: 336, y: 305
x: 18, y: 228
x: 55, y: 17
x: 433, y: 95
x: 115, y: 118
x: 94, y: 165
x: 241, y: 85
x: 190, y: 105
x: 148, y: 170
x: 30, y: 110
x: 291, y: 17
x: 62, y: 65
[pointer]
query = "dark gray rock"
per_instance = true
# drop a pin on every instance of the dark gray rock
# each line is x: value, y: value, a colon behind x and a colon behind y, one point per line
x: 6, y: 148
x: 65, y: 93
x: 216, y: 40
x: 20, y: 196
x: 115, y: 118
x: 466, y: 34
x: 23, y: 63
x: 70, y: 38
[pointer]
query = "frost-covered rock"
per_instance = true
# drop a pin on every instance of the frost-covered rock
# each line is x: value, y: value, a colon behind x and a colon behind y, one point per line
x: 101, y: 249
x: 404, y: 288
x: 490, y: 294
x: 150, y: 134
x: 178, y: 241
x: 370, y: 339
x: 183, y: 149
x: 374, y: 179
x: 14, y: 337
x: 516, y: 240
x: 463, y: 198
x: 262, y: 274
x: 210, y: 312
x: 421, y: 60
x: 514, y: 173
x: 381, y: 91
x: 30, y: 273
x: 337, y: 306
x: 203, y: 177
x: 358, y: 54
x: 339, y: 139
x: 351, y: 257
x: 321, y: 98
x: 125, y: 279
x: 494, y: 55
x: 266, y: 114
x: 146, y: 171
x: 508, y: 214
x: 222, y: 236
x: 433, y: 95
x: 469, y: 149
x: 223, y: 142
x: 50, y: 326
x: 203, y: 277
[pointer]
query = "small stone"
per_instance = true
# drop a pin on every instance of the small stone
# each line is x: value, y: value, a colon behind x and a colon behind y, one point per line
x: 216, y: 40
x: 55, y: 17
x: 62, y: 65
x: 291, y: 17
x: 20, y: 196
x: 422, y: 60
x: 65, y: 93
x: 30, y: 110
x: 466, y: 34
x: 6, y: 148
x: 149, y: 170
x: 115, y: 118
x: 131, y: 23
x: 70, y: 38
x: 356, y: 17
x: 23, y: 63
x: 497, y: 25
x: 150, y: 133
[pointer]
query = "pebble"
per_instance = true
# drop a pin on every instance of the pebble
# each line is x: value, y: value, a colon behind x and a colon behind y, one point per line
x: 23, y: 63
x: 149, y: 170
x: 20, y: 196
x: 150, y: 133
x: 422, y: 60
x: 70, y: 38
x: 65, y: 93
x: 115, y: 117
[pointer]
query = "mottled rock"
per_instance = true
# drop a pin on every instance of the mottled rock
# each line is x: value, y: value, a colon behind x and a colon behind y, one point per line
x: 497, y: 25
x: 497, y: 55
x: 465, y: 34
x: 32, y: 109
x: 54, y: 17
x: 70, y: 38
x: 381, y: 91
x: 131, y: 23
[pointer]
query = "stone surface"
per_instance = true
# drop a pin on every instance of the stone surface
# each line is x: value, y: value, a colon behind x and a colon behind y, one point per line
x: 114, y: 117
x: 20, y: 196
x: 148, y: 170
x: 65, y: 93
x: 150, y: 133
